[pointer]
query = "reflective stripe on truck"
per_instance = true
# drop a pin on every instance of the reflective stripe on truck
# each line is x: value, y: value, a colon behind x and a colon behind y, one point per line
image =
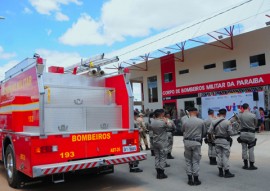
x: 43, y: 170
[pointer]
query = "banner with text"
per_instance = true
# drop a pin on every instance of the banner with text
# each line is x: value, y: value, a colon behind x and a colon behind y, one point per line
x: 250, y: 81
x: 231, y: 102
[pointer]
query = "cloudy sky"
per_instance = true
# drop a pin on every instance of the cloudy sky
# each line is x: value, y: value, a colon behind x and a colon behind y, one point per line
x: 64, y: 31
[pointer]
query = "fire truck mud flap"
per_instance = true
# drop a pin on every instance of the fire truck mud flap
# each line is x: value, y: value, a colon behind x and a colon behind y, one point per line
x: 44, y: 170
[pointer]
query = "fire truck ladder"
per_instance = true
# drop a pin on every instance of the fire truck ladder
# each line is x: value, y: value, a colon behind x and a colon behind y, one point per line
x: 92, y: 64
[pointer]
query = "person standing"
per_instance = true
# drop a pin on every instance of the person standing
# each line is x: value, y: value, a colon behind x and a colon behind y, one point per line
x: 258, y: 117
x: 248, y: 124
x: 142, y: 130
x: 151, y: 119
x: 262, y: 119
x: 134, y: 165
x: 193, y: 131
x: 211, y: 145
x: 221, y: 129
x: 171, y: 128
x: 160, y: 142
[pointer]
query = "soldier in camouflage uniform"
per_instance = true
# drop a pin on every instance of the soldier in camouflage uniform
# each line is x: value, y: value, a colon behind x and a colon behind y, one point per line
x: 151, y: 119
x: 160, y: 142
x: 211, y: 145
x: 142, y: 131
x: 170, y: 130
x: 221, y: 130
x: 193, y: 131
x: 133, y: 166
x: 248, y: 124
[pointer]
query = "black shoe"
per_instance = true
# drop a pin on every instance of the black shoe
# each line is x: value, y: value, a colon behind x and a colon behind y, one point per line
x: 158, y: 173
x: 220, y: 174
x: 147, y: 148
x: 245, y: 165
x: 190, y: 180
x: 169, y: 156
x: 228, y: 174
x: 135, y: 170
x: 167, y: 165
x: 213, y: 160
x: 196, y: 180
x: 162, y: 175
x: 251, y: 166
x: 152, y: 153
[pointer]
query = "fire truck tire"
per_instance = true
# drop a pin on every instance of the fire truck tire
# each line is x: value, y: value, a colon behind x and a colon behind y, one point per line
x: 14, y: 177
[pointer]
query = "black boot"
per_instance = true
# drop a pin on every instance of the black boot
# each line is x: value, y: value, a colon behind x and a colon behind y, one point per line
x: 167, y: 165
x: 220, y: 174
x: 169, y: 156
x: 228, y: 174
x: 190, y: 180
x: 162, y: 175
x: 251, y: 166
x: 146, y: 147
x: 158, y: 173
x: 213, y: 160
x: 152, y: 153
x: 245, y: 164
x: 134, y: 168
x: 196, y: 180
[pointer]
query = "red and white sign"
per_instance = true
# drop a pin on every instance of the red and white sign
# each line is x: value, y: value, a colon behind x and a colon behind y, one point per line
x: 250, y: 81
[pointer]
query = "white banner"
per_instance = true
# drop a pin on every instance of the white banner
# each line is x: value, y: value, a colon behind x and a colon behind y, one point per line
x: 231, y: 102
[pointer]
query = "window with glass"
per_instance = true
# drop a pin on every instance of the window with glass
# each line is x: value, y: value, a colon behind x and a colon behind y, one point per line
x: 229, y: 66
x: 257, y: 60
x: 168, y: 77
x: 152, y: 89
x: 209, y: 66
x: 184, y: 71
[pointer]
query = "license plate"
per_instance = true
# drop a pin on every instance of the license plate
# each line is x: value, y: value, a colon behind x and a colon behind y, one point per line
x: 130, y: 148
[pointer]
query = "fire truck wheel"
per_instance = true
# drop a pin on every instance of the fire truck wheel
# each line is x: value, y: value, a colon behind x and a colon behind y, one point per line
x: 13, y: 175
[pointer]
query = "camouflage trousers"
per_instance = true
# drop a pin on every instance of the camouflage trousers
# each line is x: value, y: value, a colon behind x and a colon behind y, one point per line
x: 223, y: 155
x: 160, y: 158
x: 247, y: 154
x: 151, y: 143
x: 143, y: 137
x: 193, y: 156
x: 170, y: 142
x: 211, y: 150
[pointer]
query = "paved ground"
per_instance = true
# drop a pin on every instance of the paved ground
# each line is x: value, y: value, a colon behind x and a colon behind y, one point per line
x: 122, y: 180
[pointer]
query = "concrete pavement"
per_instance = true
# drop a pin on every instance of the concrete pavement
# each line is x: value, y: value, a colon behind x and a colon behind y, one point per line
x: 122, y: 180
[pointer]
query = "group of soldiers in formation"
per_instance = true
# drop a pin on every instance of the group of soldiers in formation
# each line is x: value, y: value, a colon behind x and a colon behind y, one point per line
x: 216, y: 132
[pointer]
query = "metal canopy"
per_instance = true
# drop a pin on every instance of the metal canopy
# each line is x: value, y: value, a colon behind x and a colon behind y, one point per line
x: 174, y: 40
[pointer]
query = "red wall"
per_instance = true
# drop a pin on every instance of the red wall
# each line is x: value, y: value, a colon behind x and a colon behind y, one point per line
x: 168, y: 66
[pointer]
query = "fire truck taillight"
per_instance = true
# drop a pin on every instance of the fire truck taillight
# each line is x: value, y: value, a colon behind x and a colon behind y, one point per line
x: 46, y: 149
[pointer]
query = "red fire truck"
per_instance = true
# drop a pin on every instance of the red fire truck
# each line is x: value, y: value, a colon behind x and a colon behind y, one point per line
x: 55, y: 122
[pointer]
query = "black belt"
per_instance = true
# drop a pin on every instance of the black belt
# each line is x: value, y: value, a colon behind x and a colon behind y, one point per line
x: 192, y: 139
x: 248, y: 130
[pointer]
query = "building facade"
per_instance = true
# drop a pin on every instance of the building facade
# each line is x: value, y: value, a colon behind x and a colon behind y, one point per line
x: 211, y: 77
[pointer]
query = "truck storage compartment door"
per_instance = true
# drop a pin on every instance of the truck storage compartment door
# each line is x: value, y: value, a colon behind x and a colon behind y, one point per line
x: 65, y: 119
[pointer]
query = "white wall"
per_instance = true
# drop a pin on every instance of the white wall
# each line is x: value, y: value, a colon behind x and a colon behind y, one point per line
x: 153, y: 70
x: 245, y: 45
